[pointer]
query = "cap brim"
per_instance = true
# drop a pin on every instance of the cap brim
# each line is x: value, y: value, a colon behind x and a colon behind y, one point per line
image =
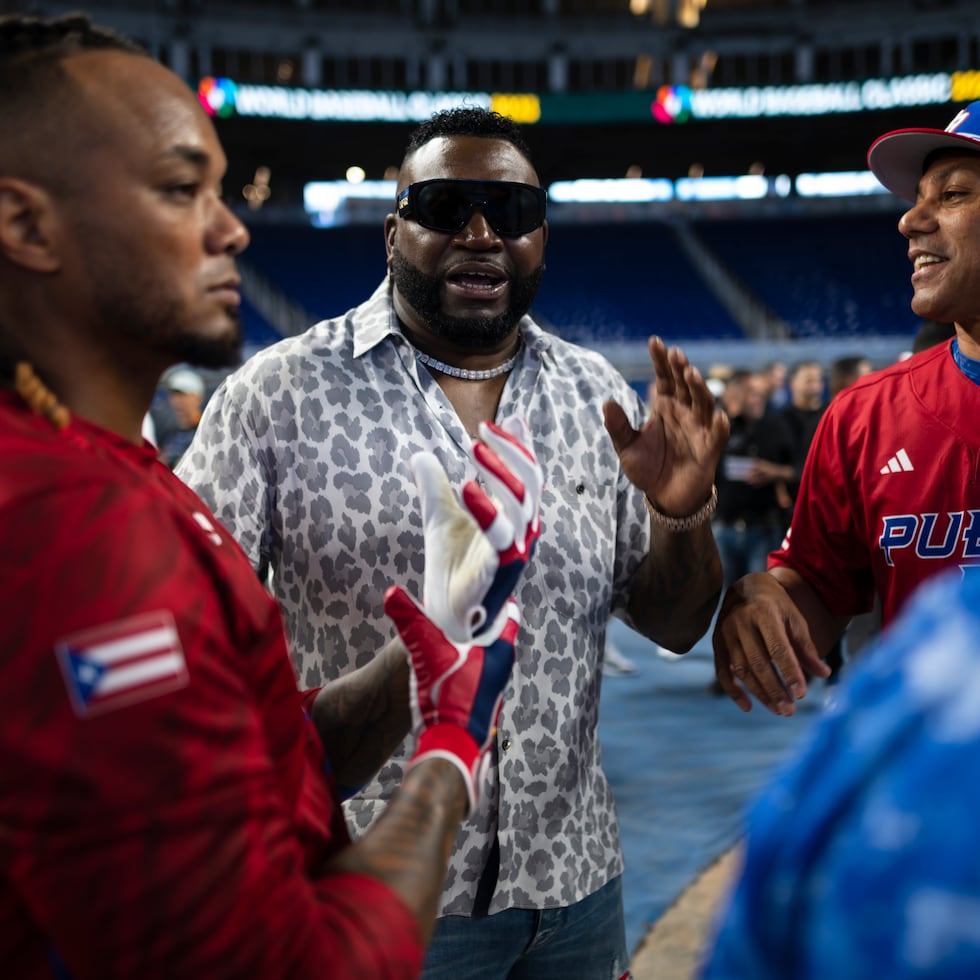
x: 897, y: 158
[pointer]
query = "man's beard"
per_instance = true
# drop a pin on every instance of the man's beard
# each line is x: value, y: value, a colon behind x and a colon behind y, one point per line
x: 158, y: 327
x: 211, y: 352
x: 424, y: 294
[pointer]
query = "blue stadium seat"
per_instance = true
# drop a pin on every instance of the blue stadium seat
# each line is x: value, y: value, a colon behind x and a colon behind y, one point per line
x: 835, y: 276
x: 624, y: 281
x: 324, y: 270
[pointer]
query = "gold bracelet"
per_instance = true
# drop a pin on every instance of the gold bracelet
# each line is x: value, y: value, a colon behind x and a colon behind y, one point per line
x: 679, y: 524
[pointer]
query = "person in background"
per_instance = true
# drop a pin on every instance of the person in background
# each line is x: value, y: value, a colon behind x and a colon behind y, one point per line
x: 149, y: 429
x: 185, y: 393
x: 844, y: 371
x: 169, y: 801
x: 615, y: 663
x: 754, y: 468
x: 889, y: 495
x: 716, y: 386
x: 930, y: 333
x: 805, y: 409
x: 303, y: 454
x: 718, y: 373
x: 776, y: 377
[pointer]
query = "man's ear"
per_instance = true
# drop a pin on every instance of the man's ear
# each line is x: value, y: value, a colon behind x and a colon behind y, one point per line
x: 391, y: 228
x: 391, y: 223
x: 27, y: 224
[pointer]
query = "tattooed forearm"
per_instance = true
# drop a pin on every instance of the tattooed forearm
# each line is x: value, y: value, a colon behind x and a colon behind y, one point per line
x: 363, y: 716
x: 675, y: 591
x: 409, y: 845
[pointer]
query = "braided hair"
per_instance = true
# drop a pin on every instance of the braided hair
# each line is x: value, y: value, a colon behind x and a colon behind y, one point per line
x: 24, y: 38
x: 39, y: 397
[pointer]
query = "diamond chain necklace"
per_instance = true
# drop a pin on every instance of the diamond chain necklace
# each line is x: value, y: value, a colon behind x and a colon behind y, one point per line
x: 454, y: 372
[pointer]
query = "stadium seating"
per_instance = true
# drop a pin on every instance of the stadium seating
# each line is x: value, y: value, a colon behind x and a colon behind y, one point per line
x: 623, y: 281
x: 608, y: 283
x: 324, y: 270
x: 835, y: 276
x: 605, y: 282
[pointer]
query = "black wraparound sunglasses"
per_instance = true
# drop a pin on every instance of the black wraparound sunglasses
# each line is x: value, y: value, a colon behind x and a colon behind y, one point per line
x: 511, y: 209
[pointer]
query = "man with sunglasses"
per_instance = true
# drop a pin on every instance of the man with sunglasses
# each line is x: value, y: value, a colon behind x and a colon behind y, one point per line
x: 303, y: 453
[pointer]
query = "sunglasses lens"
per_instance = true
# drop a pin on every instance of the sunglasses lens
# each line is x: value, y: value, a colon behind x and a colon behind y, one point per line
x: 442, y: 206
x: 510, y: 208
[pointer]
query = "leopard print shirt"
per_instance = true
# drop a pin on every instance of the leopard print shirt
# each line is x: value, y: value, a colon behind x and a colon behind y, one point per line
x: 304, y: 453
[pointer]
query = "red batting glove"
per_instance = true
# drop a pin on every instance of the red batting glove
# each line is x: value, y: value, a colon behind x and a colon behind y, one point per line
x: 456, y: 688
x: 510, y: 519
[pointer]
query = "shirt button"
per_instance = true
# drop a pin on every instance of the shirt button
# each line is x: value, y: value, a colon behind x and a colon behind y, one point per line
x: 505, y: 744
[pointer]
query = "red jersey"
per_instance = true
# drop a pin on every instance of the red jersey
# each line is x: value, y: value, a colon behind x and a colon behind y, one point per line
x: 891, y: 487
x: 164, y: 805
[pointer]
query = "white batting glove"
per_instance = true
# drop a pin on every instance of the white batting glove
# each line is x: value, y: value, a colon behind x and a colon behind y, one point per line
x: 475, y: 553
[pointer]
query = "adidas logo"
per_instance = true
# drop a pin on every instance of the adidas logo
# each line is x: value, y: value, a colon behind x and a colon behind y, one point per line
x: 899, y: 463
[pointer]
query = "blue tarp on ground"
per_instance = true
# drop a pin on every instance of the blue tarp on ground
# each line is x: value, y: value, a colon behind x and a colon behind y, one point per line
x: 683, y: 765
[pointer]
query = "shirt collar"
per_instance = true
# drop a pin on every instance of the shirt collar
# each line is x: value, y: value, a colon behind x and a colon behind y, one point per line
x: 375, y: 320
x: 968, y: 365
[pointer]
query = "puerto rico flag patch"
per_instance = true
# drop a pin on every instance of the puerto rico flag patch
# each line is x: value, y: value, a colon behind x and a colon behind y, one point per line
x: 122, y: 663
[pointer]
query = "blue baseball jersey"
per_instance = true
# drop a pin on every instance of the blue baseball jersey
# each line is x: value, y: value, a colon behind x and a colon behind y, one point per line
x: 861, y: 858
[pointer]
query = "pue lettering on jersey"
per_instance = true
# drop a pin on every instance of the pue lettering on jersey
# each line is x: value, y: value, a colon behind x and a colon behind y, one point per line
x: 956, y: 537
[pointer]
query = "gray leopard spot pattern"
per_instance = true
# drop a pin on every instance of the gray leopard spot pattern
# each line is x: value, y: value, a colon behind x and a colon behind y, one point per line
x: 304, y: 455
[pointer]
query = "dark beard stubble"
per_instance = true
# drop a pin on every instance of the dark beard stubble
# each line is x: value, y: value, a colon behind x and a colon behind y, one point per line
x: 424, y: 294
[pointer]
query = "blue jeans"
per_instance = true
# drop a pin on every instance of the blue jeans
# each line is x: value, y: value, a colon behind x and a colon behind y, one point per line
x: 585, y: 941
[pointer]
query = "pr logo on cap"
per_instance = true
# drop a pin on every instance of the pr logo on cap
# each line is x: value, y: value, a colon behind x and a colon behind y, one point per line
x: 958, y: 120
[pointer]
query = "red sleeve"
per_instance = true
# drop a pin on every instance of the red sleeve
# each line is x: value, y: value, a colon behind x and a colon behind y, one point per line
x: 176, y: 822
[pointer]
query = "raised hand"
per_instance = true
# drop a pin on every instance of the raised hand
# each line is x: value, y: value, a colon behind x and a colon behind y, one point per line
x: 672, y: 457
x: 474, y: 554
x: 455, y: 688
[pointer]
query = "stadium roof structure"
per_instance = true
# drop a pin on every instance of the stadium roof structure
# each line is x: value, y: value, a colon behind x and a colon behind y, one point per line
x: 607, y: 88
